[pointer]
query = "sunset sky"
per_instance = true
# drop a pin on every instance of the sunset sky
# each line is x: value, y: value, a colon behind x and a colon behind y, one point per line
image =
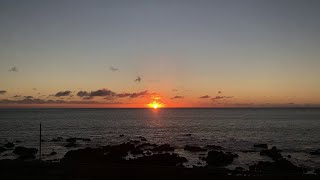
x: 181, y: 53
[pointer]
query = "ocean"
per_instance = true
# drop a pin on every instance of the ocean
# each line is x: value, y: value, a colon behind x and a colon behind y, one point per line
x: 296, y: 131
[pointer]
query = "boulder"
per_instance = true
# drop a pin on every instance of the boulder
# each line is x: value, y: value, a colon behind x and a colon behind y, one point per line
x: 219, y: 158
x: 9, y: 145
x: 2, y: 149
x: 52, y: 153
x: 165, y: 159
x: 194, y: 148
x: 23, y: 151
x: 280, y: 166
x: 162, y: 148
x: 264, y: 146
x: 273, y: 153
x: 57, y: 139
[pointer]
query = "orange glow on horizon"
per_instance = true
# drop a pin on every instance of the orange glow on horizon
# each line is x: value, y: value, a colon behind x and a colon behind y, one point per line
x: 155, y: 105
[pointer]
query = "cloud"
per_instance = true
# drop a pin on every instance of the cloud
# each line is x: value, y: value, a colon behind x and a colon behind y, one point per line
x: 113, y: 68
x: 102, y: 92
x: 174, y: 90
x: 13, y: 69
x: 138, y: 79
x: 28, y: 97
x: 177, y: 97
x: 204, y: 97
x: 3, y: 91
x: 63, y: 93
x: 83, y: 93
x: 221, y: 97
x: 133, y: 95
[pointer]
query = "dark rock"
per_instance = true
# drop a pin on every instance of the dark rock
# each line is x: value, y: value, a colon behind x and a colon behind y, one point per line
x: 239, y: 168
x: 57, y: 139
x: 281, y: 166
x: 194, y: 148
x: 162, y: 148
x: 316, y: 152
x: 273, y: 153
x: 264, y: 146
x: 17, y: 141
x: 142, y: 138
x: 71, y: 144
x: 214, y: 147
x: 146, y: 146
x: 2, y: 149
x: 23, y: 151
x: 160, y: 160
x: 317, y: 172
x: 219, y: 158
x: 73, y: 140
x: 26, y: 157
x: 289, y: 156
x: 121, y: 135
x: 136, y: 151
x: 188, y: 134
x: 134, y: 141
x: 52, y: 153
x: 9, y: 145
x: 120, y: 150
x: 148, y: 153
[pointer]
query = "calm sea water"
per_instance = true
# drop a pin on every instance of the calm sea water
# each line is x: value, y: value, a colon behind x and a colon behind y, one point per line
x: 295, y: 131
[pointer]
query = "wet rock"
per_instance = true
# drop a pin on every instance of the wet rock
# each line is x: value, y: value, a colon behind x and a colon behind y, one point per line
x: 26, y: 157
x: 73, y: 140
x: 148, y: 153
x: 57, y: 139
x: 17, y: 141
x: 2, y: 149
x: 289, y: 156
x: 146, y: 146
x: 136, y: 151
x: 9, y: 145
x: 52, y: 153
x: 264, y: 146
x: 316, y: 152
x: 165, y: 159
x: 188, y: 134
x: 239, y: 168
x: 214, y: 147
x: 120, y: 150
x: 194, y: 148
x: 219, y: 158
x: 87, y: 155
x: 23, y: 151
x: 71, y: 144
x: 281, y: 166
x: 121, y: 135
x: 162, y: 148
x: 134, y: 141
x: 317, y: 172
x: 142, y: 138
x: 273, y: 153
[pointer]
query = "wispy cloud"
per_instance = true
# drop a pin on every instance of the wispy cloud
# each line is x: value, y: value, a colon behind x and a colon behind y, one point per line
x: 133, y: 95
x: 177, y: 97
x: 83, y: 93
x: 113, y: 68
x: 204, y: 97
x: 221, y: 97
x: 3, y: 91
x: 13, y: 69
x: 63, y: 93
x: 102, y: 92
x: 138, y: 79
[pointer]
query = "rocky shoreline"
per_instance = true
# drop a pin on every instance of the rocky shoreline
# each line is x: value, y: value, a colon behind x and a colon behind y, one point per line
x: 141, y: 158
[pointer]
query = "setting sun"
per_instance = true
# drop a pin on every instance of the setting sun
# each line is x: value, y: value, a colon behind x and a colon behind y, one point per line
x: 155, y: 105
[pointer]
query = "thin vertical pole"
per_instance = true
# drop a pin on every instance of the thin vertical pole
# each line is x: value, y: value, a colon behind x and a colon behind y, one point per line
x: 40, y: 143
